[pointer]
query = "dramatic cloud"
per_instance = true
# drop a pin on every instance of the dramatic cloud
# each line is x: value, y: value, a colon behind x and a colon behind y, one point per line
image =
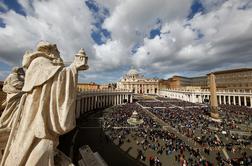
x: 217, y: 39
x: 159, y: 37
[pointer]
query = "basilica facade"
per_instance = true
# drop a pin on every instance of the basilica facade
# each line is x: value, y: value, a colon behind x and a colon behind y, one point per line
x: 138, y: 84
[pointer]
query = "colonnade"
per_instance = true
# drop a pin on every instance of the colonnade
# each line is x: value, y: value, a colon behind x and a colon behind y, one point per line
x: 230, y: 97
x: 91, y: 100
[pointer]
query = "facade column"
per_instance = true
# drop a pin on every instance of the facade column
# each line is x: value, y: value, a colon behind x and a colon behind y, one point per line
x: 85, y: 105
x: 90, y: 99
x: 99, y: 101
x: 251, y: 102
x: 245, y: 100
x: 131, y: 98
x: 229, y: 100
x: 81, y: 105
x: 104, y: 100
x: 94, y: 102
x: 239, y: 100
x: 225, y: 99
x: 110, y: 100
x: 114, y: 100
x: 120, y: 99
x: 88, y: 104
x: 219, y: 99
x: 107, y: 100
x: 106, y: 104
x: 234, y: 100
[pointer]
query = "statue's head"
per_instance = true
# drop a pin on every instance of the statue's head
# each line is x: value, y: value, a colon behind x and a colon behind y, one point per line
x: 19, y: 71
x: 44, y: 49
x: 49, y: 49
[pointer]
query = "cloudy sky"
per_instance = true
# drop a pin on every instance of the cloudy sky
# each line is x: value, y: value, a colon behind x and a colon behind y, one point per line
x: 160, y: 38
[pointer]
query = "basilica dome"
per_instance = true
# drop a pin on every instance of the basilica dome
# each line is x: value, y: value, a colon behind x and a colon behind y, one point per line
x: 132, y: 72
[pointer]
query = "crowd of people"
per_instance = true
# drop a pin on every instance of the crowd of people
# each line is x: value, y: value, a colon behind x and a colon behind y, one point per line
x: 149, y: 136
x: 190, y: 119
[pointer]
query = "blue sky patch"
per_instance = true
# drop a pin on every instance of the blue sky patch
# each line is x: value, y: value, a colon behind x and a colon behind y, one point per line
x: 14, y: 5
x: 2, y: 24
x: 99, y: 34
x: 196, y: 7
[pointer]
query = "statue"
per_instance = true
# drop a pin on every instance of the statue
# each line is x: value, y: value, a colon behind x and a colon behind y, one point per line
x: 12, y: 87
x: 47, y: 106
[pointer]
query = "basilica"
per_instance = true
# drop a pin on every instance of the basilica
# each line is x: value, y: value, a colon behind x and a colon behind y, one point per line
x: 137, y: 83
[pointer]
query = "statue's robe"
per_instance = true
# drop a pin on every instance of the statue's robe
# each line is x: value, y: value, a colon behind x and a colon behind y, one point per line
x: 48, y: 111
x: 12, y: 86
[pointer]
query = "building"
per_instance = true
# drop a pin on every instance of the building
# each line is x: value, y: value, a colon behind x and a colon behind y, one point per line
x: 182, y: 82
x: 234, y: 87
x: 137, y: 83
x: 108, y: 86
x: 87, y: 86
x: 235, y: 79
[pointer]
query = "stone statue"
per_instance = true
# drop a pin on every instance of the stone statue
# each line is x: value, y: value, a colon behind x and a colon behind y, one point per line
x: 12, y: 87
x: 47, y: 107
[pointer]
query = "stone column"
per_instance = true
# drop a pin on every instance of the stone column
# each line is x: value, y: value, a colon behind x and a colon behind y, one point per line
x: 84, y: 104
x: 110, y: 100
x: 115, y: 100
x: 225, y: 99
x: 99, y: 101
x: 251, y: 102
x: 88, y: 104
x: 102, y: 101
x: 106, y: 104
x: 94, y: 102
x: 214, y: 104
x: 219, y: 99
x: 234, y: 100
x: 107, y: 100
x: 245, y: 100
x: 229, y: 100
x: 239, y: 100
x: 81, y: 105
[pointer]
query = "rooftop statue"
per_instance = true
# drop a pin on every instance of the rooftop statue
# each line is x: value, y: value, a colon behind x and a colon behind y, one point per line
x: 47, y: 106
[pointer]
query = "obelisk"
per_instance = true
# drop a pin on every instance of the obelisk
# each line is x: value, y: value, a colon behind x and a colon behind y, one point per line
x: 213, y: 98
